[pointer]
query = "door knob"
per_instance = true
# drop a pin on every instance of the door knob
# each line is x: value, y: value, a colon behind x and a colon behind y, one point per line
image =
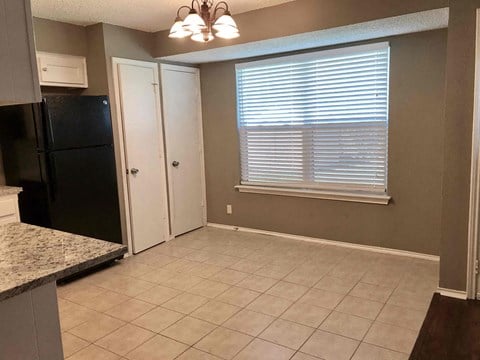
x: 175, y: 163
x: 134, y: 171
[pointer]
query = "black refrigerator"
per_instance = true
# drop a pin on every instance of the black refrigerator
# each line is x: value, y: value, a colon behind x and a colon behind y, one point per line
x: 60, y: 151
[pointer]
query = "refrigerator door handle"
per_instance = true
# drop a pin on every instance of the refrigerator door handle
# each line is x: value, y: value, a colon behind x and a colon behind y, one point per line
x: 38, y: 115
x: 49, y: 126
x: 52, y: 177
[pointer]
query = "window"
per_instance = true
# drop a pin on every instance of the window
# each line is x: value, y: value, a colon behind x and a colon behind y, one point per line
x: 316, y: 121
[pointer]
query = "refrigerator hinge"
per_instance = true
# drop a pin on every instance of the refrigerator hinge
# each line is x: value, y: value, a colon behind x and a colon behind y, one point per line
x: 476, y: 266
x: 128, y: 172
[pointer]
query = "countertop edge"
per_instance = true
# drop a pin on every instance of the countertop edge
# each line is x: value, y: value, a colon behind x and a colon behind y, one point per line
x: 62, y: 273
x: 10, y: 190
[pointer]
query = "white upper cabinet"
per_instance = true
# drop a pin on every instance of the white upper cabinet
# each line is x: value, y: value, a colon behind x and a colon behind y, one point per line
x: 62, y: 70
x: 18, y: 68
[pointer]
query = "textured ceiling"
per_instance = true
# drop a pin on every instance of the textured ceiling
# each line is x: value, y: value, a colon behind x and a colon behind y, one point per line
x: 146, y: 15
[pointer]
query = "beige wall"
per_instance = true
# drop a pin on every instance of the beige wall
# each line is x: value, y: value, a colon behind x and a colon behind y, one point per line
x: 411, y: 222
x: 298, y: 17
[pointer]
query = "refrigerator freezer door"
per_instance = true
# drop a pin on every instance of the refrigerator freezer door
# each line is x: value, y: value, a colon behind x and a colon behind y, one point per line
x: 76, y: 121
x: 83, y: 192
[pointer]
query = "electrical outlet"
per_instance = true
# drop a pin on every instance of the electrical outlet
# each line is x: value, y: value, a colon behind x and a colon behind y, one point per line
x: 229, y: 209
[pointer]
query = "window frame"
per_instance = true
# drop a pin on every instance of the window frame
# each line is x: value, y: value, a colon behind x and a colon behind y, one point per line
x: 324, y: 190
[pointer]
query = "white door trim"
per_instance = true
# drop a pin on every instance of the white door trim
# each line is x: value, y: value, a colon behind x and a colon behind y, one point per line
x: 121, y: 139
x: 196, y: 71
x: 474, y: 208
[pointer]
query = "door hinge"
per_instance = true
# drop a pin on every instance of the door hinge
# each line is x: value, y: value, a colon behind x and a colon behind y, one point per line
x: 476, y: 266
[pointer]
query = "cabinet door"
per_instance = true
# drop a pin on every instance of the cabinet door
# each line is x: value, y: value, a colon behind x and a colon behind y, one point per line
x: 62, y: 70
x: 9, y: 209
x: 18, y: 67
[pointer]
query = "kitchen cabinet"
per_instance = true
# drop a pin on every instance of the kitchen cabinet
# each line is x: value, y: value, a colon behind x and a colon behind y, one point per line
x: 18, y: 66
x: 62, y: 70
x: 32, y: 259
x: 9, y: 205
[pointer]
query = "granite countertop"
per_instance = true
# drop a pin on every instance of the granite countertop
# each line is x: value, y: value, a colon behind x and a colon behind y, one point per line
x: 9, y: 190
x: 31, y: 256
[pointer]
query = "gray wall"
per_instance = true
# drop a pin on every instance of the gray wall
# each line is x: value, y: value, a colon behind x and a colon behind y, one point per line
x: 309, y: 15
x: 458, y: 142
x: 96, y: 63
x: 411, y: 222
x: 129, y: 44
x: 99, y: 43
x: 59, y: 37
x: 458, y: 104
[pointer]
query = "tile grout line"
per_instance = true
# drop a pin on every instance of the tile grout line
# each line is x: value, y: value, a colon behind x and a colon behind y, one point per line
x: 242, y: 307
x: 376, y: 317
x: 315, y: 329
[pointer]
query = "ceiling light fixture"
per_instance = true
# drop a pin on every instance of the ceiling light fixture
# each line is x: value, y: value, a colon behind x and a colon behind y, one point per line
x: 202, y: 19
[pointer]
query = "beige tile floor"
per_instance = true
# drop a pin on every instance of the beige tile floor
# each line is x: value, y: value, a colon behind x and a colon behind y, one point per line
x: 219, y: 294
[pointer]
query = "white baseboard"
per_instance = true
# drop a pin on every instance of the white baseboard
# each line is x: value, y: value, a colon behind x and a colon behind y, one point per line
x: 456, y: 294
x: 376, y: 249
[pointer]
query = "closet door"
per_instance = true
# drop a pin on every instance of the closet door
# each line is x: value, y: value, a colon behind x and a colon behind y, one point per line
x: 184, y: 147
x: 144, y: 160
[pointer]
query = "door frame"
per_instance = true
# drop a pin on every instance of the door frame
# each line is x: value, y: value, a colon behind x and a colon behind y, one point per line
x: 119, y: 134
x: 474, y: 207
x: 196, y: 72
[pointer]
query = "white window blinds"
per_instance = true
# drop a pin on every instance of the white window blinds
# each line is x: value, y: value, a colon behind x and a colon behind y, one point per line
x: 317, y: 120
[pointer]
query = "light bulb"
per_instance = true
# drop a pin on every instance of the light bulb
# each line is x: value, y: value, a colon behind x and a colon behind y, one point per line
x: 225, y: 23
x: 177, y: 31
x: 203, y: 36
x: 194, y: 22
x: 227, y: 35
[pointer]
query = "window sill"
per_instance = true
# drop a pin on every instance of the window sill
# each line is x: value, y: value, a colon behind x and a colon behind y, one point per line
x: 379, y: 199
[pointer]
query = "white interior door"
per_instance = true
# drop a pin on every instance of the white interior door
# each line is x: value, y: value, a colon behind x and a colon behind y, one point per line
x: 144, y: 158
x: 184, y: 145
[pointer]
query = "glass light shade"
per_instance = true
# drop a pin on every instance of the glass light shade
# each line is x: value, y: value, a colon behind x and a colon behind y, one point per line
x: 177, y: 31
x: 194, y: 22
x: 225, y: 23
x: 227, y: 34
x: 203, y: 36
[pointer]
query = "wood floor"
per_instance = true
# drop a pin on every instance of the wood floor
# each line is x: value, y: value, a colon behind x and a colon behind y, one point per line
x: 451, y: 331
